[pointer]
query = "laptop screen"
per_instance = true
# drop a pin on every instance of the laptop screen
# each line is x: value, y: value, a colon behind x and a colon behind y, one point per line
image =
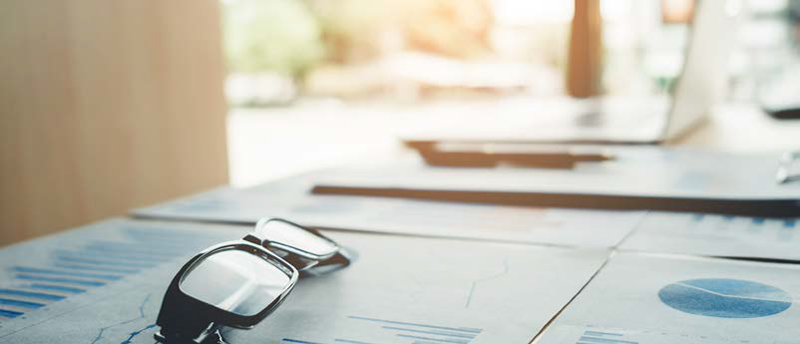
x: 702, y: 80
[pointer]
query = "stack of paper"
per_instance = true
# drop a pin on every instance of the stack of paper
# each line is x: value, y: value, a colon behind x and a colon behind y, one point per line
x: 667, y: 300
x: 637, y: 178
x: 403, y: 290
x: 291, y: 199
x: 717, y: 235
x: 442, y: 272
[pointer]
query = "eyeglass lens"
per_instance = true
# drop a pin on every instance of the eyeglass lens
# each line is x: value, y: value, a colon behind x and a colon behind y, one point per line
x: 288, y: 234
x: 235, y: 281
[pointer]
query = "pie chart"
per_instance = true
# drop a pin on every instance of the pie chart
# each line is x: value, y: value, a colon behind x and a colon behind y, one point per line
x: 725, y: 298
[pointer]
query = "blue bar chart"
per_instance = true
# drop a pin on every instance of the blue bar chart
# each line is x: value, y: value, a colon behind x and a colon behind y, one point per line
x: 75, y: 268
x: 717, y: 236
x: 405, y: 332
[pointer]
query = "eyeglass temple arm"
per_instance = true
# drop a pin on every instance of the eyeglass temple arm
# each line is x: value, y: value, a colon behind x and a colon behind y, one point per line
x: 263, y: 222
x: 293, y: 259
x: 257, y: 235
x: 251, y: 237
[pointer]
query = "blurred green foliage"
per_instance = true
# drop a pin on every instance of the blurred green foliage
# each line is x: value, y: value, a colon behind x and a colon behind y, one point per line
x: 280, y: 36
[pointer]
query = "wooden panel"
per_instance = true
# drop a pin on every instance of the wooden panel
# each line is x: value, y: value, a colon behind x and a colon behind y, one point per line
x: 104, y: 106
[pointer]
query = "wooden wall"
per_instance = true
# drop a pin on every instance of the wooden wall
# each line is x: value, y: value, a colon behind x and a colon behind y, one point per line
x: 106, y: 105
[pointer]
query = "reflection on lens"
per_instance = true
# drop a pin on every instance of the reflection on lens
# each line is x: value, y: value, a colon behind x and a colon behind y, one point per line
x: 235, y: 281
x: 288, y: 234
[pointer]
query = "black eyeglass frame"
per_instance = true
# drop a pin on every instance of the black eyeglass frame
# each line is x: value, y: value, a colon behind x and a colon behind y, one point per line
x: 185, y: 318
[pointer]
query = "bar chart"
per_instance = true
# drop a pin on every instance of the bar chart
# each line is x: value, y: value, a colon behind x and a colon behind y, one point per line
x: 76, y: 266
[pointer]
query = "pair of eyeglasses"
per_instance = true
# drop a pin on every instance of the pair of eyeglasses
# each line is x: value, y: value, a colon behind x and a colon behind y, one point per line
x: 239, y: 283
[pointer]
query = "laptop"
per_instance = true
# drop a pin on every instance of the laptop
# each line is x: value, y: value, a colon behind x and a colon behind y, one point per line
x: 648, y: 120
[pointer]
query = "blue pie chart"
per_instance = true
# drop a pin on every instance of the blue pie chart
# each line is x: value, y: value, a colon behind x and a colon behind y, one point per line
x: 725, y: 298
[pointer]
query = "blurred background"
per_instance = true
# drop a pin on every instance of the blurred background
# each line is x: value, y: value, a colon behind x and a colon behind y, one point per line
x: 335, y: 79
x: 111, y: 105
